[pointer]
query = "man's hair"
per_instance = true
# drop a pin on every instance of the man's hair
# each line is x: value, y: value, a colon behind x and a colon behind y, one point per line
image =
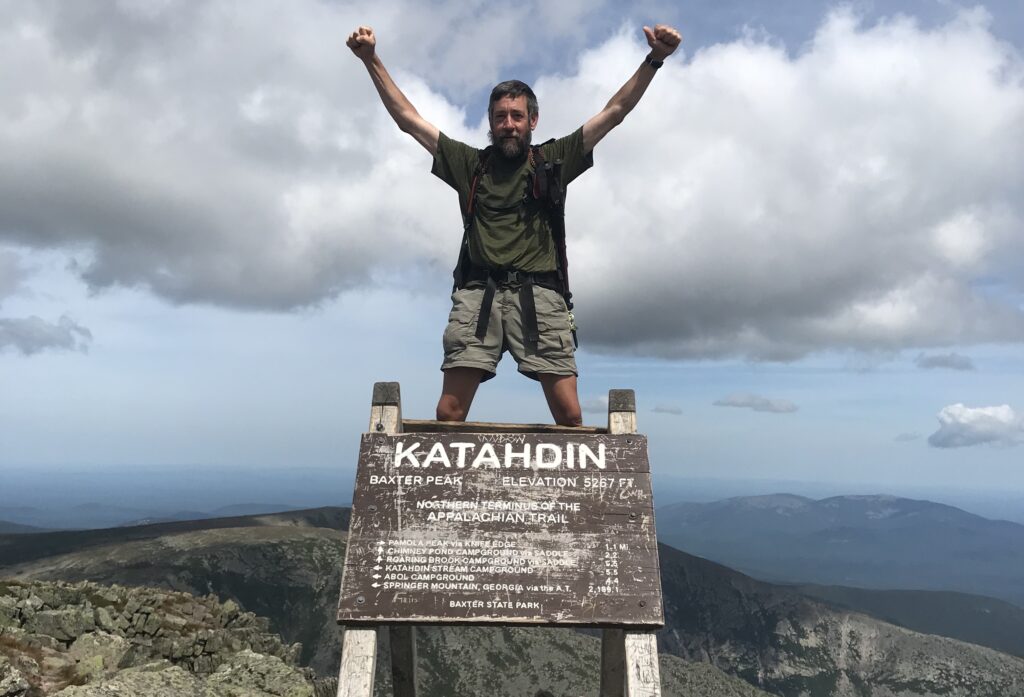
x: 513, y: 89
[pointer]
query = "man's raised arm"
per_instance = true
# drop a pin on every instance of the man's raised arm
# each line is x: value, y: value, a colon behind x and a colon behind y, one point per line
x: 663, y: 41
x: 363, y: 43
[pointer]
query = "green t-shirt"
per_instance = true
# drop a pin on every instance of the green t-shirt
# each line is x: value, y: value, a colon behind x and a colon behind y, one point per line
x: 509, y: 236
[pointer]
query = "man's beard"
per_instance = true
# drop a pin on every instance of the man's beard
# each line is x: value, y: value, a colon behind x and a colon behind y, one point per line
x: 512, y: 147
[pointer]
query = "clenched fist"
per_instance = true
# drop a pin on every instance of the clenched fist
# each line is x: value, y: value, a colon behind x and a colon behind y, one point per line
x: 663, y: 41
x: 362, y: 42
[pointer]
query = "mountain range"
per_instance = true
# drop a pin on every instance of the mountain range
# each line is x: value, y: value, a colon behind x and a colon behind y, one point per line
x: 880, y: 542
x: 92, y: 516
x: 722, y: 626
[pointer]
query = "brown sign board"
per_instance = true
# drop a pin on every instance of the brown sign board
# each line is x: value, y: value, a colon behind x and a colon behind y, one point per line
x: 502, y: 528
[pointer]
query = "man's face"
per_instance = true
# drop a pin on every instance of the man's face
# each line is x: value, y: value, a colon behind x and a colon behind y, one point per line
x: 511, y: 126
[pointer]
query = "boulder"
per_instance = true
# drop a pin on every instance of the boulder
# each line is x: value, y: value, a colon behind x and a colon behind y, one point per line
x: 139, y: 642
x: 98, y: 653
x: 104, y: 620
x: 66, y: 624
x: 168, y: 682
x: 12, y: 682
x: 263, y: 674
x: 9, y: 612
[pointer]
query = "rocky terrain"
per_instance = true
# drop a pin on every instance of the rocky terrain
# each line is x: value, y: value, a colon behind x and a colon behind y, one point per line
x: 287, y: 573
x: 88, y: 640
x: 976, y: 619
x: 291, y: 574
x: 722, y: 625
x: 790, y: 645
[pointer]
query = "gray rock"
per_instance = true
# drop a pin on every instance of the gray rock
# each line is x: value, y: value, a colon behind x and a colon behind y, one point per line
x: 169, y: 682
x: 41, y: 641
x: 266, y: 674
x: 107, y: 648
x: 9, y: 613
x: 204, y: 664
x: 152, y: 625
x: 57, y: 664
x: 104, y: 620
x: 12, y: 682
x: 64, y: 624
x: 175, y: 624
x: 229, y: 612
x: 90, y: 668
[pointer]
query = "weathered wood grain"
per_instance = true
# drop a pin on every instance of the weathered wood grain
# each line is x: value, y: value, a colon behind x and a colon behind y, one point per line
x: 358, y: 655
x: 529, y: 532
x: 622, y: 400
x: 621, y: 411
x: 635, y: 653
x: 421, y: 425
x: 430, y: 543
x: 643, y: 676
x: 359, y: 647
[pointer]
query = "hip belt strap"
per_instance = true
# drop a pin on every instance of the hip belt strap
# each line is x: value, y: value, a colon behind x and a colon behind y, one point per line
x: 526, y: 282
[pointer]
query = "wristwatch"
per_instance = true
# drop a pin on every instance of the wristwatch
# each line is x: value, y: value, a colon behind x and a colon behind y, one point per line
x: 653, y: 63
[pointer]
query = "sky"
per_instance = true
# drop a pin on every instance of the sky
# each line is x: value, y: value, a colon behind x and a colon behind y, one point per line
x: 804, y: 249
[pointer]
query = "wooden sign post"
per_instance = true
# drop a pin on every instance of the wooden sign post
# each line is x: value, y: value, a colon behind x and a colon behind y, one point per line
x: 505, y: 524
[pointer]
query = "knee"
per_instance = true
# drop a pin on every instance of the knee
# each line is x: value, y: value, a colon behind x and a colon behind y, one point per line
x: 450, y: 409
x: 569, y: 416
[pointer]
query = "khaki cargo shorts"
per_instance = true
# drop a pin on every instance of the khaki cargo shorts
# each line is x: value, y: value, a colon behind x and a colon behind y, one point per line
x: 552, y: 353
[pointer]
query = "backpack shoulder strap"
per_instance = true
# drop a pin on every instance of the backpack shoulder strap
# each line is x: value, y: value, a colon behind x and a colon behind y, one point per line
x: 547, y: 187
x: 462, y: 266
x: 479, y: 171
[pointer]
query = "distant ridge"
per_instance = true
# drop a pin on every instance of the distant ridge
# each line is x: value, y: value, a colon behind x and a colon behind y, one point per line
x: 8, y: 528
x: 173, y: 517
x: 250, y: 509
x: 880, y: 542
x: 92, y: 515
x: 20, y: 548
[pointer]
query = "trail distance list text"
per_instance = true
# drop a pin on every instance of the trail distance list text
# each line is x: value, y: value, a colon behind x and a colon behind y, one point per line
x: 499, y: 527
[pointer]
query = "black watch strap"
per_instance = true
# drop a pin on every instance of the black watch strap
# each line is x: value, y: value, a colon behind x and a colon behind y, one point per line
x: 653, y: 63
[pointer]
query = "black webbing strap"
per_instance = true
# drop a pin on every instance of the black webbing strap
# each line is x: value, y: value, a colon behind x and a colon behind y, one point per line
x: 547, y: 187
x: 485, y: 308
x: 462, y: 266
x: 529, y: 310
x: 528, y: 306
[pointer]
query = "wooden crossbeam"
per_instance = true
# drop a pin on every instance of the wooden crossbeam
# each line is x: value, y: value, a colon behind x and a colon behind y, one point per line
x: 425, y: 426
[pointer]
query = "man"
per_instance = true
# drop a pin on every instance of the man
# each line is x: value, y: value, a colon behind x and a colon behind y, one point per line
x: 509, y: 282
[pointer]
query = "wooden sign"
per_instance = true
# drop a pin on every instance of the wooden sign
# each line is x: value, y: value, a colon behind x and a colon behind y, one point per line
x: 506, y: 528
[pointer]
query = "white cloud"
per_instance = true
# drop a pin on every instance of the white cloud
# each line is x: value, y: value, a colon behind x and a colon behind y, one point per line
x: 757, y: 403
x: 755, y: 203
x: 595, y: 405
x: 961, y: 426
x: 33, y: 334
x: 951, y: 361
x: 907, y: 437
x: 831, y: 200
x: 667, y: 409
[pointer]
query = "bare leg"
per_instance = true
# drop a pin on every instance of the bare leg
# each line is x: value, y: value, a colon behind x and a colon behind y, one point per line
x: 564, y: 403
x: 457, y: 393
